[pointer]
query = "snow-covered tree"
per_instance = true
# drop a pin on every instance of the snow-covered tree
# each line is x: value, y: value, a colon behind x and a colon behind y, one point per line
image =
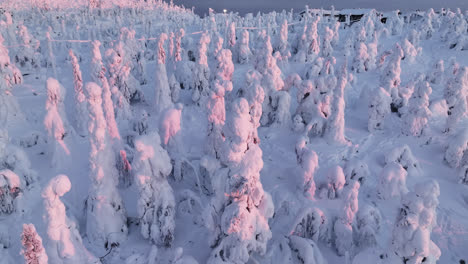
x: 119, y: 67
x: 335, y: 181
x: 356, y: 170
x: 272, y: 82
x: 56, y: 123
x: 10, y: 188
x: 237, y: 132
x: 27, y: 57
x: 106, y: 219
x: 64, y: 241
x: 390, y: 76
x: 411, y: 238
x: 416, y: 116
x: 392, y: 182
x: 231, y: 36
x: 437, y: 74
x: 312, y: 223
x: 361, y: 59
x: 255, y: 95
x: 308, y: 161
x: 243, y: 222
x: 156, y: 204
x: 368, y: 223
x: 456, y: 154
x: 335, y: 127
x: 395, y: 22
x: 456, y: 96
x: 282, y: 44
x: 33, y: 251
x: 308, y: 112
x: 327, y: 48
x: 379, y: 108
x: 344, y: 224
x: 170, y: 129
x: 409, y: 50
x: 163, y: 92
x: 216, y: 116
x: 224, y: 70
x: 81, y: 111
x: 202, y: 71
x: 403, y: 156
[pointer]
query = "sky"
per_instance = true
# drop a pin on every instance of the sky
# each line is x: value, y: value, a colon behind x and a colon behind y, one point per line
x: 253, y: 6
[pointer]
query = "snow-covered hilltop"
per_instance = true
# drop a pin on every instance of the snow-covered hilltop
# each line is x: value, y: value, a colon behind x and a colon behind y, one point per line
x: 138, y: 132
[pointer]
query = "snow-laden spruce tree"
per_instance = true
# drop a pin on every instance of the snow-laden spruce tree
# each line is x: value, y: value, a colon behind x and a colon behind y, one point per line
x: 410, y: 51
x: 231, y: 36
x: 56, y: 124
x: 64, y: 244
x: 224, y: 70
x: 456, y: 96
x: 327, y: 48
x: 282, y: 43
x: 26, y: 56
x: 163, y: 92
x: 379, y: 108
x: 308, y: 161
x: 201, y: 72
x: 81, y: 111
x: 437, y: 73
x: 343, y: 227
x: 169, y: 129
x: 217, y: 45
x: 313, y: 39
x: 11, y: 188
x: 390, y: 75
x: 417, y: 114
x: 255, y: 95
x: 9, y: 76
x: 156, y: 204
x: 361, y: 58
x: 272, y: 82
x: 216, y: 110
x: 395, y: 23
x: 308, y: 112
x: 456, y: 154
x: 119, y: 67
x: 243, y: 219
x: 237, y: 132
x: 106, y: 219
x: 367, y: 226
x: 335, y: 182
x: 335, y: 127
x: 312, y: 223
x: 411, y: 237
x: 33, y: 250
x: 392, y: 182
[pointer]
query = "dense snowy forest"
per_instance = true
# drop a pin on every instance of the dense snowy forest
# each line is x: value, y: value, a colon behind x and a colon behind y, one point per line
x: 142, y: 133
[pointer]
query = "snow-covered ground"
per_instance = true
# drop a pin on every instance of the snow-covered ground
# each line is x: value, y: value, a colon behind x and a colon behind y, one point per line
x: 146, y: 134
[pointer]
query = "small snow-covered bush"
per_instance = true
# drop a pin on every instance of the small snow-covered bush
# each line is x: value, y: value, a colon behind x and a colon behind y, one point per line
x: 379, y: 108
x: 392, y: 181
x: 336, y: 182
x: 403, y: 156
x: 456, y: 153
x: 312, y: 223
